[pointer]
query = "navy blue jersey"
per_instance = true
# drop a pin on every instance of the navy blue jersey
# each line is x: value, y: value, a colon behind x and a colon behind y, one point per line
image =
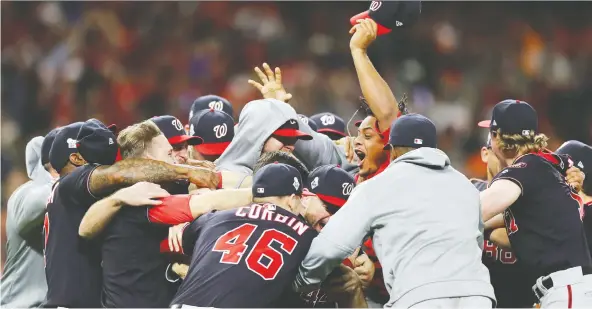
x: 588, y: 224
x: 243, y: 258
x: 72, y: 264
x: 545, y: 223
x: 134, y: 271
x: 511, y: 284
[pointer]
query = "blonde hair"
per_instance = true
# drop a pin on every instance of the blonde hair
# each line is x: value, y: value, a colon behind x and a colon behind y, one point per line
x: 135, y: 139
x: 513, y: 145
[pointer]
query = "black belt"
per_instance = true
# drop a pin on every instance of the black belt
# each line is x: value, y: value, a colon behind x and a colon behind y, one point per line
x: 547, y: 282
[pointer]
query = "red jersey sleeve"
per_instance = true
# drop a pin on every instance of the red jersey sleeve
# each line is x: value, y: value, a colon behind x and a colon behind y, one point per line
x: 174, y: 210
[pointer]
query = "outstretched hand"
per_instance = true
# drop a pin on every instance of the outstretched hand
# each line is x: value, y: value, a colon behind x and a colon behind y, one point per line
x: 271, y: 84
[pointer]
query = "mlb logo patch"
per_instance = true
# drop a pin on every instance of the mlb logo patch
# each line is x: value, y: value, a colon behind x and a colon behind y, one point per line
x: 260, y: 190
x: 418, y: 141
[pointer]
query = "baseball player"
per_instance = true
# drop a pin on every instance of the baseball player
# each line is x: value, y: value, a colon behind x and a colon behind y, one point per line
x: 511, y: 284
x: 82, y: 154
x: 429, y: 242
x: 330, y: 124
x: 23, y: 282
x: 173, y: 130
x: 541, y: 211
x: 247, y: 257
x: 135, y: 274
x: 581, y: 154
x: 265, y: 126
x: 329, y: 188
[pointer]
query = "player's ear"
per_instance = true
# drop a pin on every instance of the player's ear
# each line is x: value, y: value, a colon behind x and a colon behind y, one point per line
x: 484, y: 154
x: 76, y: 159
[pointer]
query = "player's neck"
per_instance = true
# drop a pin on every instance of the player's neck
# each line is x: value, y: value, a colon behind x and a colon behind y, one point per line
x: 279, y: 202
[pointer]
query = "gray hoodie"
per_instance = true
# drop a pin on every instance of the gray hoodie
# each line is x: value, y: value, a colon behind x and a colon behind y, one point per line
x: 426, y: 220
x: 23, y: 282
x: 257, y: 121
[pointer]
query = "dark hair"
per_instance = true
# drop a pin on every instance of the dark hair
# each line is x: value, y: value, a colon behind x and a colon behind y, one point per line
x: 282, y: 157
x: 401, y: 105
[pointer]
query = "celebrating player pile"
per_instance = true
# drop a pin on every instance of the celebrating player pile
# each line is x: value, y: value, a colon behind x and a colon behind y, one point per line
x: 285, y: 210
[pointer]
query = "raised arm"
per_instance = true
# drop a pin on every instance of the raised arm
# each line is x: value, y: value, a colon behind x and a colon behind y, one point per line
x: 105, y: 179
x: 376, y: 91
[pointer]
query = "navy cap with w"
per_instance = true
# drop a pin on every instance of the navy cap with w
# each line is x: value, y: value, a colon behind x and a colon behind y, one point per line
x: 277, y: 179
x: 210, y: 101
x: 215, y: 128
x: 330, y: 124
x: 173, y: 130
x: 389, y: 15
x: 332, y: 185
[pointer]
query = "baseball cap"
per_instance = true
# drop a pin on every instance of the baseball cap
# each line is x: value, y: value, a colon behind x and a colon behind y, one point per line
x: 173, y: 130
x: 210, y: 101
x: 277, y: 179
x: 512, y: 117
x: 97, y: 143
x: 64, y: 144
x: 291, y: 129
x: 329, y: 123
x: 579, y: 152
x: 309, y: 122
x: 413, y: 130
x: 215, y: 128
x: 332, y: 185
x: 46, y: 145
x: 390, y: 14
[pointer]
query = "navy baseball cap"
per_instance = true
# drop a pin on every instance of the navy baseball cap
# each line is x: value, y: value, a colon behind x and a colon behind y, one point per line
x: 332, y: 185
x: 329, y: 123
x: 210, y: 101
x: 215, y: 128
x: 580, y: 153
x: 173, y: 130
x: 97, y: 143
x: 277, y: 179
x: 413, y: 130
x: 512, y: 117
x: 64, y: 144
x: 389, y: 15
x: 291, y: 129
x: 46, y: 145
x: 309, y: 122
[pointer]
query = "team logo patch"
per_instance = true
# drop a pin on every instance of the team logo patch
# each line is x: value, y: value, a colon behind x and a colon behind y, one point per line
x: 296, y: 183
x: 217, y: 105
x: 71, y: 143
x: 177, y: 124
x: 347, y: 188
x: 375, y: 5
x: 314, y: 183
x: 303, y: 119
x: 328, y: 120
x: 418, y: 141
x: 220, y: 130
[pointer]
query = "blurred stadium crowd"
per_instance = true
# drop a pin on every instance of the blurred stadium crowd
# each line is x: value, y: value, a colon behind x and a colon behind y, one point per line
x: 121, y: 62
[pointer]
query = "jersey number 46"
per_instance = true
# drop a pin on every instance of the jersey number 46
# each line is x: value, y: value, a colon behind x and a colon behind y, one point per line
x: 233, y: 246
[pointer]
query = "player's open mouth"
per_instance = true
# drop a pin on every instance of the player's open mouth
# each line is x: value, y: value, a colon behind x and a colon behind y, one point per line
x: 361, y: 155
